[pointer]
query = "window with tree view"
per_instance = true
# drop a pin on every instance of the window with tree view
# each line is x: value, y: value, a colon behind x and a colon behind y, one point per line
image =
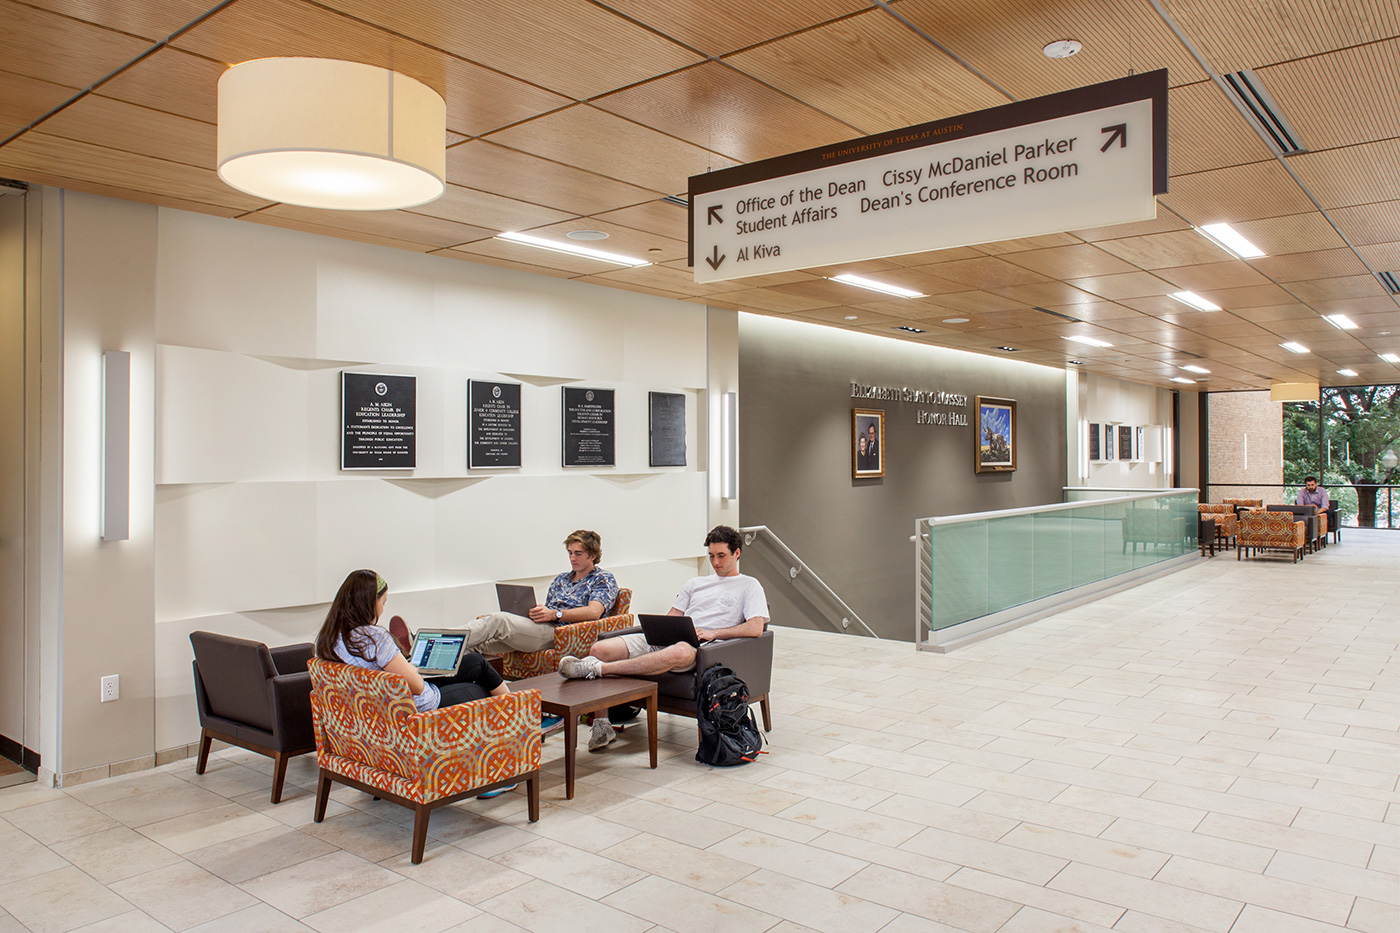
x: 1350, y: 440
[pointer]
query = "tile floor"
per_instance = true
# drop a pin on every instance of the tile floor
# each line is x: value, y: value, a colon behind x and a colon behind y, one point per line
x: 1213, y: 751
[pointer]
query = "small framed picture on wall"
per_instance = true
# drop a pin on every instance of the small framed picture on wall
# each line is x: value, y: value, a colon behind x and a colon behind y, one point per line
x: 867, y: 443
x: 996, y: 435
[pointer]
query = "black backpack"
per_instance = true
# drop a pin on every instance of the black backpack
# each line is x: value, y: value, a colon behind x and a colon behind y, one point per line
x: 728, y: 733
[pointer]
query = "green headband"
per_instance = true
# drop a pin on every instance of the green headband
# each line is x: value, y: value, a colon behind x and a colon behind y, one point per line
x: 380, y: 585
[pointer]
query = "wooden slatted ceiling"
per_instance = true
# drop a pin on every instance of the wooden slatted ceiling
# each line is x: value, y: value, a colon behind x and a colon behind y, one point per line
x: 53, y: 48
x: 23, y: 99
x: 127, y: 127
x: 1011, y: 53
x: 518, y: 175
x: 1343, y: 98
x: 568, y: 46
x: 171, y: 81
x: 1235, y: 34
x: 1361, y: 174
x: 625, y: 240
x: 483, y: 209
x: 1231, y: 141
x: 153, y: 21
x: 717, y: 108
x: 869, y: 71
x: 719, y: 27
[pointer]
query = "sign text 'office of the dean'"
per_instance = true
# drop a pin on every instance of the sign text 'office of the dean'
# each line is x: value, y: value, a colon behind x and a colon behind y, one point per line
x: 1088, y: 157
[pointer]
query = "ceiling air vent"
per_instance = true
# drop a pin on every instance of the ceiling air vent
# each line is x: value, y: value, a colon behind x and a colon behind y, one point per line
x: 676, y: 200
x: 1391, y: 281
x: 1247, y: 93
x: 1057, y: 314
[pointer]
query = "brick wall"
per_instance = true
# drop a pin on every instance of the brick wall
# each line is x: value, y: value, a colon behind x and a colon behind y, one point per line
x: 1246, y: 445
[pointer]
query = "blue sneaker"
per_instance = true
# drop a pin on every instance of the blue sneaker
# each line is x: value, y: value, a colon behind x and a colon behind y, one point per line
x: 550, y: 724
x: 497, y: 792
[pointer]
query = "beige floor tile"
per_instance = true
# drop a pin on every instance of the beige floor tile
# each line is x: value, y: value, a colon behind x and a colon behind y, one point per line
x: 232, y: 780
x: 1173, y: 816
x: 207, y: 827
x: 1015, y: 782
x: 695, y: 829
x: 683, y: 909
x: 260, y: 918
x: 567, y: 867
x: 849, y: 821
x: 127, y: 786
x: 808, y: 904
x: 1287, y: 896
x: 704, y: 870
x: 1321, y: 845
x: 25, y: 856
x: 1311, y: 797
x: 580, y: 830
x: 116, y: 854
x: 1256, y: 919
x: 803, y: 862
x: 27, y: 795
x: 1006, y: 860
x: 876, y: 854
x: 1371, y: 916
x: 741, y: 819
x: 297, y: 807
x: 365, y: 835
x: 543, y: 908
x: 1076, y: 847
x: 1135, y: 921
x: 58, y: 901
x: 1347, y: 879
x: 486, y: 923
x: 183, y: 895
x: 1034, y: 920
x: 933, y: 900
x: 1385, y: 834
x: 59, y: 820
x: 467, y: 877
x: 1169, y: 902
x: 941, y: 816
x: 717, y: 786
x: 247, y: 857
x: 319, y: 884
x: 800, y: 786
x: 133, y: 921
x: 406, y: 905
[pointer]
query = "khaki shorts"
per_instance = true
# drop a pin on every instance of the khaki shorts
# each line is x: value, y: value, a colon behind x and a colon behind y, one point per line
x: 637, y: 646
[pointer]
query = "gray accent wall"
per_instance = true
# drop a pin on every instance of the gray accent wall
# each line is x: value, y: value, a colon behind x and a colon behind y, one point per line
x: 795, y: 460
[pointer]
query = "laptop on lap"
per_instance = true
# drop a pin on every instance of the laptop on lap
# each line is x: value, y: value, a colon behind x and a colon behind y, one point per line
x: 515, y: 598
x: 664, y: 631
x: 438, y: 652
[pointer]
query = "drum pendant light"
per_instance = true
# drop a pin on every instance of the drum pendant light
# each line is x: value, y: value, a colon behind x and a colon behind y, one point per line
x: 317, y: 132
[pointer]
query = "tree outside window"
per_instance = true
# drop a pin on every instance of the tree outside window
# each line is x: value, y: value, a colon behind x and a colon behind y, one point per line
x: 1350, y: 440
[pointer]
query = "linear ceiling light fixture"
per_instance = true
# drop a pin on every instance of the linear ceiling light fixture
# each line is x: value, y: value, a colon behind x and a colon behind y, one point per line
x: 317, y: 132
x: 875, y: 286
x: 1294, y: 346
x: 1346, y: 372
x: 1189, y: 382
x: 1391, y: 281
x: 1230, y: 240
x: 1193, y: 368
x: 1091, y: 341
x: 571, y: 248
x: 1195, y: 301
x: 1340, y: 321
x: 1390, y: 357
x: 1247, y: 93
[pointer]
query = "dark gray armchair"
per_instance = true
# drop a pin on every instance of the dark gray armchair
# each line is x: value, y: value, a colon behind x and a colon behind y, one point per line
x: 253, y: 697
x: 750, y: 658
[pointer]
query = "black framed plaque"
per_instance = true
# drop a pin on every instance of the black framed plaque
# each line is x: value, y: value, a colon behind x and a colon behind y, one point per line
x: 667, y: 429
x: 378, y: 422
x: 493, y: 424
x: 590, y: 427
x: 1125, y: 442
x: 1093, y: 441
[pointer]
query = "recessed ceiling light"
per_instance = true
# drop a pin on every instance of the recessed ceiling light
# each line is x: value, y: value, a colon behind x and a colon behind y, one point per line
x: 850, y: 317
x: 1189, y: 382
x: 1346, y: 372
x: 875, y: 286
x: 1229, y: 239
x: 1007, y: 349
x: 1193, y: 368
x: 955, y: 320
x: 1062, y: 48
x: 1390, y: 357
x: 1340, y: 321
x: 526, y: 239
x: 1091, y: 341
x: 912, y: 330
x: 1075, y: 362
x: 586, y: 235
x: 1195, y: 301
x: 1294, y: 346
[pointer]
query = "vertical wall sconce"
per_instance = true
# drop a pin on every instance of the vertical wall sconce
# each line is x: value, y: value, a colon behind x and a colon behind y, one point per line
x: 116, y: 445
x: 729, y: 446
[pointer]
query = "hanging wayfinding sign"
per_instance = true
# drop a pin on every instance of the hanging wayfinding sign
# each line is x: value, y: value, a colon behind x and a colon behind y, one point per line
x: 1088, y: 157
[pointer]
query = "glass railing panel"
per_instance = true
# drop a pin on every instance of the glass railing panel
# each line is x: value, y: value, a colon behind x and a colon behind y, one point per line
x: 1010, y: 550
x: 1088, y: 529
x: 1050, y: 562
x: 959, y: 573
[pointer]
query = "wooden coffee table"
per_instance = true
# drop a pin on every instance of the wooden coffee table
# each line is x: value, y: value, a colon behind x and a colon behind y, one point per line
x: 573, y: 698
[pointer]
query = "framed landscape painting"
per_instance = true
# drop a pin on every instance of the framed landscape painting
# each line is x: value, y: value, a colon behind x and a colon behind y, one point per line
x: 996, y: 435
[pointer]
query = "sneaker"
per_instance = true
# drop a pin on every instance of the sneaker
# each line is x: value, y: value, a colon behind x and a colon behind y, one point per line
x: 580, y: 668
x: 497, y: 792
x: 399, y: 629
x: 602, y: 735
x: 550, y: 724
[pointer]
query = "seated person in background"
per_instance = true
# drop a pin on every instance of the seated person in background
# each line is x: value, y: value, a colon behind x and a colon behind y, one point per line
x: 1312, y: 494
x: 725, y: 605
x: 580, y: 594
x: 351, y: 635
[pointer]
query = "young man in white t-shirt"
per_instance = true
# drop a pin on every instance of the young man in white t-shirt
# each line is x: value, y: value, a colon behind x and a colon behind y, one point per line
x: 727, y: 604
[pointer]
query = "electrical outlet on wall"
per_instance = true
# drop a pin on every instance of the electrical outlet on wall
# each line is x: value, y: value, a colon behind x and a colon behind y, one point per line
x: 111, y: 687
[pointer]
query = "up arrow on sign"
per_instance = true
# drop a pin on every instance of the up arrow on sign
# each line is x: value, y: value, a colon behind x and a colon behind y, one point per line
x: 1120, y: 133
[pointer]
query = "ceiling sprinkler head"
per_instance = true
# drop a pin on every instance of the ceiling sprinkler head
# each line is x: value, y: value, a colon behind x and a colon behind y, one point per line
x: 1062, y: 48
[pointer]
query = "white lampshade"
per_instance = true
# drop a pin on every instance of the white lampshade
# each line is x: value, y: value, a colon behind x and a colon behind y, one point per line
x: 317, y: 132
x: 1293, y: 392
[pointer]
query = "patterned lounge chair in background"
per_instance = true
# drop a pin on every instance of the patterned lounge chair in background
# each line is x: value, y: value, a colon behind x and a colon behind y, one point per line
x: 369, y: 736
x: 1227, y: 526
x: 575, y: 639
x: 1277, y: 531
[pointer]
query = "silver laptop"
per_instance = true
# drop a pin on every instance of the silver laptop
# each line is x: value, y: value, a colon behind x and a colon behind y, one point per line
x: 438, y: 652
x: 516, y: 598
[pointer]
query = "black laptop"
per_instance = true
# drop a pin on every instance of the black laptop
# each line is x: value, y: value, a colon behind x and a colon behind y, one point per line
x: 516, y: 598
x: 664, y: 631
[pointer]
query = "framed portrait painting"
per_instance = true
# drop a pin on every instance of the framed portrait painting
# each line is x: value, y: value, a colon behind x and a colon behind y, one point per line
x: 867, y: 443
x: 996, y: 435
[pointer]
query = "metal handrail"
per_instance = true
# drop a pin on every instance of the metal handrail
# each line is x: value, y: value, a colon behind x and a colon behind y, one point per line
x: 1055, y: 507
x: 752, y: 531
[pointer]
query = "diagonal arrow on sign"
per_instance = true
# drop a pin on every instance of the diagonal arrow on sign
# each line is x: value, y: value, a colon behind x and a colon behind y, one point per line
x: 1119, y: 132
x: 712, y: 215
x: 717, y: 260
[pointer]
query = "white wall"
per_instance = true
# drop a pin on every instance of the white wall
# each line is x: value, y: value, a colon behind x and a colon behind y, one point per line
x: 1101, y: 400
x: 255, y: 523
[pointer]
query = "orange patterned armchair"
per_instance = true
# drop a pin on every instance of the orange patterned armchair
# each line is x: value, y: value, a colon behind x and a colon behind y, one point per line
x: 1271, y: 531
x: 575, y: 639
x: 369, y: 736
x: 1244, y: 503
x: 1227, y: 526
